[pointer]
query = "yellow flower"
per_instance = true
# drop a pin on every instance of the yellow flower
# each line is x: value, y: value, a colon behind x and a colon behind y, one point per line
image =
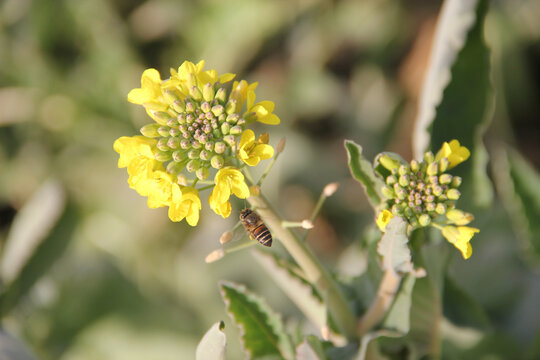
x: 240, y: 91
x: 261, y: 111
x: 454, y: 152
x: 185, y: 203
x: 460, y: 237
x: 149, y: 94
x: 252, y: 151
x: 383, y: 219
x: 182, y: 80
x: 459, y: 217
x: 158, y: 188
x: 228, y: 181
x: 130, y: 147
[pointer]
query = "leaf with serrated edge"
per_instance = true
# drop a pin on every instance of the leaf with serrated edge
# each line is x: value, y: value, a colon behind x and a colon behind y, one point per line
x: 263, y: 333
x: 212, y: 345
x: 362, y: 170
x: 310, y: 349
x: 297, y: 289
x: 393, y: 247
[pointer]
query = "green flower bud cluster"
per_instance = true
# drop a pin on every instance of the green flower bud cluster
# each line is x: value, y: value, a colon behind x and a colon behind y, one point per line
x: 196, y: 132
x: 420, y: 191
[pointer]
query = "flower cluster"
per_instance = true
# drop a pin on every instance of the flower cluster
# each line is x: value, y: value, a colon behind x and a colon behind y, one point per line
x: 422, y: 193
x: 199, y: 129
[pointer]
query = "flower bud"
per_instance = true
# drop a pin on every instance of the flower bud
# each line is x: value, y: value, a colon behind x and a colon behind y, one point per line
x: 307, y: 224
x: 163, y: 131
x: 430, y: 207
x: 181, y: 179
x: 204, y: 155
x: 459, y: 217
x: 433, y: 169
x: 429, y: 157
x: 221, y: 95
x: 391, y: 180
x: 445, y: 179
x: 193, y: 165
x: 150, y: 130
x: 170, y: 95
x: 163, y: 156
x: 387, y: 192
x: 220, y: 147
x: 440, y: 208
x: 230, y: 140
x: 235, y: 130
x: 173, y: 143
x: 177, y: 156
x: 190, y: 107
x: 415, y: 166
x: 208, y: 92
x: 205, y: 107
x: 281, y: 145
x: 403, y: 180
x: 456, y: 181
x: 401, y: 193
x: 202, y: 173
x: 226, y: 237
x: 330, y: 189
x: 181, y: 118
x: 402, y: 170
x: 195, y: 93
x: 217, y: 161
x: 179, y: 106
x: 225, y: 128
x: 443, y: 164
x: 174, y: 167
x: 184, y: 144
x: 214, y: 256
x: 174, y: 132
x: 232, y: 118
x: 437, y: 190
x: 388, y: 162
x: 424, y: 220
x: 193, y: 154
x: 453, y: 194
x: 160, y: 117
x: 217, y: 110
x: 231, y: 106
x: 162, y: 144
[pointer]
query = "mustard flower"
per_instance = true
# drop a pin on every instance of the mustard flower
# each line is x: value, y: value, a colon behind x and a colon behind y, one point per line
x: 383, y: 219
x: 460, y: 237
x: 228, y: 181
x: 252, y: 151
x: 454, y: 152
x: 199, y: 129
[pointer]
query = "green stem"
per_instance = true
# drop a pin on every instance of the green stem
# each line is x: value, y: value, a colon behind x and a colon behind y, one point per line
x: 268, y: 168
x: 316, y: 212
x: 338, y: 307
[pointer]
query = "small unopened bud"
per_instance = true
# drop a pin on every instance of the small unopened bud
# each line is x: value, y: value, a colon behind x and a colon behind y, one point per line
x: 429, y: 157
x: 235, y: 130
x: 430, y: 207
x: 226, y: 237
x: 202, y: 173
x: 453, y: 194
x: 387, y: 192
x: 171, y: 96
x: 415, y: 166
x: 204, y: 155
x: 174, y: 167
x: 433, y: 169
x: 173, y: 143
x: 193, y: 154
x: 230, y: 140
x: 217, y: 161
x: 181, y: 118
x: 307, y: 224
x: 190, y: 107
x: 440, y: 209
x: 163, y: 130
x: 221, y: 95
x: 160, y: 117
x: 174, y: 132
x: 230, y: 107
x: 193, y: 165
x: 182, y: 179
x: 391, y: 179
x: 424, y: 220
x: 179, y: 106
x: 177, y: 155
x: 456, y: 181
x: 437, y: 190
x: 214, y: 256
x: 402, y: 170
x: 232, y: 118
x: 220, y: 147
x: 281, y: 145
x: 217, y: 110
x: 208, y: 92
x: 184, y: 144
x: 330, y: 189
x: 195, y: 93
x: 225, y: 128
x: 443, y: 164
x: 150, y: 130
x: 445, y: 179
x: 162, y: 144
x: 401, y: 193
x: 163, y: 156
x: 205, y: 107
x: 404, y: 180
x: 388, y: 162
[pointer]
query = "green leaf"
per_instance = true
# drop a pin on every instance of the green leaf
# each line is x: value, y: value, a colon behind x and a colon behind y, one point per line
x: 393, y: 247
x: 362, y: 171
x: 12, y: 349
x: 299, y: 290
x: 42, y: 257
x: 460, y: 66
x: 398, y: 317
x: 310, y: 349
x: 461, y: 309
x: 263, y: 333
x: 212, y: 345
x: 518, y: 183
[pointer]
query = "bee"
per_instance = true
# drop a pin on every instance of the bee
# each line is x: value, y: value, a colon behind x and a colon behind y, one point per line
x: 255, y: 227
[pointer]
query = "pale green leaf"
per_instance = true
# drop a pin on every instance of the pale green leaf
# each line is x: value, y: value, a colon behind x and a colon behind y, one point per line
x: 398, y: 317
x: 362, y: 170
x: 310, y: 349
x: 393, y: 247
x: 213, y: 344
x: 263, y: 333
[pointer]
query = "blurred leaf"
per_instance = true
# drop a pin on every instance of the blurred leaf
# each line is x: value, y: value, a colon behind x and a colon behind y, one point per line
x: 263, y: 333
x: 12, y: 349
x: 534, y: 351
x: 398, y: 317
x: 362, y: 171
x: 30, y: 227
x: 393, y: 247
x: 44, y: 256
x: 518, y: 183
x: 213, y: 343
x: 369, y: 349
x: 298, y: 289
x: 460, y: 65
x: 461, y: 309
x: 310, y: 349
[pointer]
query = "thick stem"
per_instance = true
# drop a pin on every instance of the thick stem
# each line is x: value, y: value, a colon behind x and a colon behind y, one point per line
x: 380, y: 305
x: 338, y: 307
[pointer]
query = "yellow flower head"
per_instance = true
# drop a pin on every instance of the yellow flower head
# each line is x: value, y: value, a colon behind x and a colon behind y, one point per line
x: 459, y: 217
x: 228, y: 181
x: 252, y: 151
x: 383, y: 219
x: 185, y: 204
x: 460, y: 237
x: 454, y: 152
x: 200, y: 130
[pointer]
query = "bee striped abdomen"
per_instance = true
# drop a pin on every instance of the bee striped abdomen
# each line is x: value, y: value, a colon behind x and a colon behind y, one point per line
x: 263, y: 235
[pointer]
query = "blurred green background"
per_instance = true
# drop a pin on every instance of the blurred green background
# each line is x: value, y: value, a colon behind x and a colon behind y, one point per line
x: 113, y: 279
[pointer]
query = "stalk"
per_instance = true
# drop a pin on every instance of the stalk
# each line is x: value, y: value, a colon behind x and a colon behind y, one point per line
x: 338, y: 307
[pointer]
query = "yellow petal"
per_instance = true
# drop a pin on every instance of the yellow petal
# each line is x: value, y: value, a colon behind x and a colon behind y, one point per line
x: 263, y: 151
x: 454, y: 152
x: 247, y: 139
x: 383, y: 219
